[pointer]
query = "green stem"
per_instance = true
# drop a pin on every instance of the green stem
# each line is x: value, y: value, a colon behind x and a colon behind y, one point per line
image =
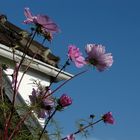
x: 87, y: 126
x: 16, y: 130
x: 48, y: 119
x: 25, y: 71
x: 66, y: 82
x: 7, y: 125
x: 64, y: 66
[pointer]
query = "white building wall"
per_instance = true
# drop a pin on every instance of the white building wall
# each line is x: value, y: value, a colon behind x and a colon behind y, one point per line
x: 38, y: 71
x: 27, y: 85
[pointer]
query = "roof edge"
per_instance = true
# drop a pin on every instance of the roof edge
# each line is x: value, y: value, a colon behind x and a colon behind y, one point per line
x: 36, y: 64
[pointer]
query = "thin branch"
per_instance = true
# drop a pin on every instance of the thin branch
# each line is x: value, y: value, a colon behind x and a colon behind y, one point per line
x: 15, y: 89
x: 81, y: 129
x: 66, y: 82
x: 16, y: 130
x: 49, y: 118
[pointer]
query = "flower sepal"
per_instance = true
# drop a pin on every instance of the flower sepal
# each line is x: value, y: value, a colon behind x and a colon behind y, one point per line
x: 59, y: 108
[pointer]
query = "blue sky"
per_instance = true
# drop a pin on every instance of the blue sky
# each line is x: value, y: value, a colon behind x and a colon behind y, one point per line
x: 115, y: 24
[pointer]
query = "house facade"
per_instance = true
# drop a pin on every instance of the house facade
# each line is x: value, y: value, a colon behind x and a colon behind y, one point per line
x: 43, y: 68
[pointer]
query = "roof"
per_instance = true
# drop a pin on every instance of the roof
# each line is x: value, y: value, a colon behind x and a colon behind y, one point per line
x: 45, y: 61
x: 12, y: 36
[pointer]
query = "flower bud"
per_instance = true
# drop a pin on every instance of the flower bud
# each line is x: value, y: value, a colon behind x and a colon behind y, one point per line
x: 108, y: 118
x: 65, y: 100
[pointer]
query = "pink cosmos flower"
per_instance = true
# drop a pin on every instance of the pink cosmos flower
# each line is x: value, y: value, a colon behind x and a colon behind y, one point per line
x: 42, y: 20
x: 65, y: 100
x: 44, y: 106
x: 70, y: 137
x: 97, y: 57
x: 108, y: 118
x: 76, y: 56
x: 29, y: 16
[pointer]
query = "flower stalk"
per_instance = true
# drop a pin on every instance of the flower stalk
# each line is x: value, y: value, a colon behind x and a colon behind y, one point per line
x: 15, y: 90
x: 83, y: 128
x: 17, y: 129
x: 48, y: 120
x: 78, y: 74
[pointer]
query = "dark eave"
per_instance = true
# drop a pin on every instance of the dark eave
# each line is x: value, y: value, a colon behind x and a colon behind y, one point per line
x: 11, y: 36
